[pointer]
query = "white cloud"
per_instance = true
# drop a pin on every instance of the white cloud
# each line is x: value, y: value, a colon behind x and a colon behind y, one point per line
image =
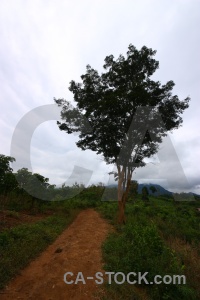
x: 44, y: 45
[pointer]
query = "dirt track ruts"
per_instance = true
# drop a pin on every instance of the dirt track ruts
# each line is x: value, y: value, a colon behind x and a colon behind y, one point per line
x: 78, y: 250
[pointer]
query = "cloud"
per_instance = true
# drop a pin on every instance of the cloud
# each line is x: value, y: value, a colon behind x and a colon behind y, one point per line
x: 45, y: 46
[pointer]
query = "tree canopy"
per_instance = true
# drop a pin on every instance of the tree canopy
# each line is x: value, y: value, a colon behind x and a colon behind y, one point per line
x: 122, y: 114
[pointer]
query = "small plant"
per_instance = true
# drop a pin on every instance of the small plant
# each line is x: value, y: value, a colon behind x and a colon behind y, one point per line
x: 21, y: 244
x: 13, y: 214
x: 145, y: 194
x: 140, y: 248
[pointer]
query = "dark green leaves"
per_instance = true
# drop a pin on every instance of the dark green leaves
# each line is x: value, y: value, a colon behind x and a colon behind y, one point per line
x: 109, y: 114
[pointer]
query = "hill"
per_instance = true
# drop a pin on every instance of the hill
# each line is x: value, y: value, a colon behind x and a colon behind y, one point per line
x: 160, y: 190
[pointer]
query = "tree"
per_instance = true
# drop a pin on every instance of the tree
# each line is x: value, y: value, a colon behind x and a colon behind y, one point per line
x: 38, y: 187
x: 153, y: 189
x: 33, y: 183
x: 5, y: 169
x: 122, y: 114
x: 10, y: 183
x: 133, y: 190
x: 23, y: 177
x: 145, y: 193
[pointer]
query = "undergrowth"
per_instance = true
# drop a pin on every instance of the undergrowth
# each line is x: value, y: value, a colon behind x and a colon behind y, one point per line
x: 142, y: 245
x: 19, y: 245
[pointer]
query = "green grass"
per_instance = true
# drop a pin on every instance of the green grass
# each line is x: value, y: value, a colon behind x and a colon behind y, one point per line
x: 142, y: 245
x: 160, y: 237
x: 21, y: 244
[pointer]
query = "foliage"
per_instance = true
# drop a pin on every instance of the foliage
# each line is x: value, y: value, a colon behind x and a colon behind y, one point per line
x: 144, y: 251
x: 153, y: 189
x: 5, y: 169
x: 109, y: 102
x: 23, y: 243
x: 142, y: 246
x: 122, y: 114
x: 145, y: 193
x: 9, y: 183
x: 133, y: 191
x: 144, y: 243
x: 34, y: 184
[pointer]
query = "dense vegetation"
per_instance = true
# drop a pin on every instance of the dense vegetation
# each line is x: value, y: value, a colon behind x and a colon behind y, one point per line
x: 161, y: 236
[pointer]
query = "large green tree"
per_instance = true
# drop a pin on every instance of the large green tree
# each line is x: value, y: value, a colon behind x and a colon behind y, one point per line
x: 122, y: 113
x: 33, y: 183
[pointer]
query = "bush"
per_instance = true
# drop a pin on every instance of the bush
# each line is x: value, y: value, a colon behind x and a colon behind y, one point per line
x: 141, y: 249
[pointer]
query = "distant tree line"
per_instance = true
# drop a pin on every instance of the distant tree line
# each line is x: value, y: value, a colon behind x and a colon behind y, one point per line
x: 25, y: 185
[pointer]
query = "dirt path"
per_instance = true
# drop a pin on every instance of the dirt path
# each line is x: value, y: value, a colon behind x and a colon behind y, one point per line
x: 77, y: 249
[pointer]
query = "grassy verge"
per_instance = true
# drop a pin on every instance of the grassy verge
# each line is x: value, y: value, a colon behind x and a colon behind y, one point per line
x: 21, y: 244
x: 160, y: 238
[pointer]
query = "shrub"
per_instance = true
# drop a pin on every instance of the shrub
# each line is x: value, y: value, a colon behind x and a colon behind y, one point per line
x: 141, y: 249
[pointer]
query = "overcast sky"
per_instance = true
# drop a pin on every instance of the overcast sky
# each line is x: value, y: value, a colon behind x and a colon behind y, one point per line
x: 45, y: 44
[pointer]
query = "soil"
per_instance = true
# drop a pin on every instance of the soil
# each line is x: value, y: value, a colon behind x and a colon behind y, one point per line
x: 10, y: 219
x: 77, y: 249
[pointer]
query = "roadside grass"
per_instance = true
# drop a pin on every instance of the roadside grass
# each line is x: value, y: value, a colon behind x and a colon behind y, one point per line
x: 19, y: 245
x: 16, y: 203
x: 190, y: 257
x: 161, y: 238
x: 13, y: 214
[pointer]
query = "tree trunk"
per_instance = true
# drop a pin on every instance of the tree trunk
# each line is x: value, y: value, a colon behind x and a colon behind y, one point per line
x: 121, y: 213
x: 120, y: 194
x: 123, y: 195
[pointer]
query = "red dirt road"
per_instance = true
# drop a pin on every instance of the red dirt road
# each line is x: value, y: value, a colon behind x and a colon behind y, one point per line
x: 77, y: 249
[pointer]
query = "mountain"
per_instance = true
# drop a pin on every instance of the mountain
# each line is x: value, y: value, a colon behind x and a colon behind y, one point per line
x: 160, y: 190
